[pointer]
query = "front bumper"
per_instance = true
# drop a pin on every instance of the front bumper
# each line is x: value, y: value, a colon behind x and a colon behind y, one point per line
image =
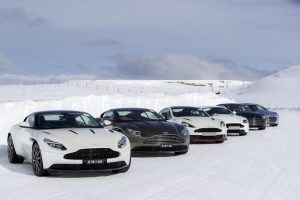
x: 257, y: 122
x: 237, y: 128
x: 57, y: 160
x: 160, y: 143
x: 201, y: 138
x: 207, y: 134
x: 272, y: 120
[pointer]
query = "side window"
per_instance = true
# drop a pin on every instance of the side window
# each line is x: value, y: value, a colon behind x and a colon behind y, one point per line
x: 30, y: 120
x: 108, y: 116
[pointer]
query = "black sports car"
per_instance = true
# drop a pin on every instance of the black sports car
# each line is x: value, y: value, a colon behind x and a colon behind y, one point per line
x: 147, y: 130
x: 272, y: 117
x: 256, y: 120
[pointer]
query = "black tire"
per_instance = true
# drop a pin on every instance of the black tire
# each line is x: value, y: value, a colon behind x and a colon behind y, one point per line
x: 37, y: 161
x: 261, y: 128
x: 11, y: 152
x: 123, y: 170
x: 274, y: 125
x: 178, y: 153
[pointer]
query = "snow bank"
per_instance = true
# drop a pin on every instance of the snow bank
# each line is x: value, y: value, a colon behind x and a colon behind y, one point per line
x: 278, y: 90
x: 14, y: 112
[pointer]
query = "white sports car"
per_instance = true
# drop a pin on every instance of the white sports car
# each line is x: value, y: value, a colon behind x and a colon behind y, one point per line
x: 67, y: 140
x: 235, y: 124
x: 201, y: 126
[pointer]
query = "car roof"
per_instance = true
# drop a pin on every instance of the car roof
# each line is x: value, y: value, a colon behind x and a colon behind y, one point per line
x: 56, y: 111
x: 174, y: 107
x: 228, y: 104
x: 125, y: 109
x: 249, y: 104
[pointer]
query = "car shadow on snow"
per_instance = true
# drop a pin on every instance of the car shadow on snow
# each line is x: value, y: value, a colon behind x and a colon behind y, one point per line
x: 151, y: 154
x: 26, y: 168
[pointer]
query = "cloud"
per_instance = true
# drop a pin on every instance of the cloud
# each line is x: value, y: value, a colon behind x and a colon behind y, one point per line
x: 100, y: 43
x: 30, y: 79
x: 5, y: 63
x: 20, y: 15
x: 182, y: 66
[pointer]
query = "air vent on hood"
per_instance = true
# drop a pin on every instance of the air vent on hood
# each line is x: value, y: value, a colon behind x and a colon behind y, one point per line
x: 187, y: 119
x: 92, y: 131
x: 73, y: 132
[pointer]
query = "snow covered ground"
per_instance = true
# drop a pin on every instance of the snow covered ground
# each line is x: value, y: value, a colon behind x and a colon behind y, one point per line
x: 264, y: 165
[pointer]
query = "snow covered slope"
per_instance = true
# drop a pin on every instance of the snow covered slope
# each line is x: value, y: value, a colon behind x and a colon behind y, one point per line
x: 278, y: 90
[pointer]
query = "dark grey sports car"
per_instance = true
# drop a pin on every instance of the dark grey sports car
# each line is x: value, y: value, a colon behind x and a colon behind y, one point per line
x: 147, y: 130
x: 272, y: 117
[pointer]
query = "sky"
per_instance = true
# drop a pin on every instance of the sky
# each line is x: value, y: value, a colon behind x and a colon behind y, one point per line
x: 148, y: 39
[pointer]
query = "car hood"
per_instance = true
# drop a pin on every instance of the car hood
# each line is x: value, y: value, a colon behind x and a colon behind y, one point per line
x: 230, y: 118
x: 250, y: 114
x: 150, y: 128
x: 200, y: 122
x: 83, y: 137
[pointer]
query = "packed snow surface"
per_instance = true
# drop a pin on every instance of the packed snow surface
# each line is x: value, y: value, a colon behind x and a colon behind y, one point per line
x: 264, y: 165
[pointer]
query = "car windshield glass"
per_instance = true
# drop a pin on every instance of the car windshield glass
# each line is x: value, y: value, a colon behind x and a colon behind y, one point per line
x: 189, y: 112
x: 66, y: 120
x: 138, y: 115
x: 220, y: 111
x: 239, y: 108
x: 246, y: 108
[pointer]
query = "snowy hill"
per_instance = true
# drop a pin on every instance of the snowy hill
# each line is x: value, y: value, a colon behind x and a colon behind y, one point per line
x: 277, y: 90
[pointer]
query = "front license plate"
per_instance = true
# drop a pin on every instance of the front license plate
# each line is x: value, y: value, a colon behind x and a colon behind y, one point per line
x: 209, y: 134
x: 89, y: 162
x: 166, y: 146
x: 233, y: 127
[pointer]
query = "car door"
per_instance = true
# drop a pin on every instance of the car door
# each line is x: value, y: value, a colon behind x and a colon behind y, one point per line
x: 26, y: 136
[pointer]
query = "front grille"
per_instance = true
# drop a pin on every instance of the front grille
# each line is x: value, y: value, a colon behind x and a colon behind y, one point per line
x: 91, y: 154
x: 104, y: 166
x: 208, y: 130
x: 200, y: 138
x: 234, y: 124
x: 164, y: 139
x: 257, y: 122
x: 235, y: 131
x: 158, y: 148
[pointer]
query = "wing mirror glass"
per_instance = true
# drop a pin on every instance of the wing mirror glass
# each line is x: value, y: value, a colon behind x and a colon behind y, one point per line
x: 24, y: 125
x: 106, y: 122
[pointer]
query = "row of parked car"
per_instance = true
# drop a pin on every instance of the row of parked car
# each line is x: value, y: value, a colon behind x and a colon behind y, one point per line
x: 73, y: 140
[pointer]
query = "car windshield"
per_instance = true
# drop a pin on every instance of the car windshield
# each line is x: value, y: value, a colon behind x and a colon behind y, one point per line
x: 239, y: 108
x: 216, y: 110
x: 66, y: 120
x: 188, y: 112
x: 137, y: 115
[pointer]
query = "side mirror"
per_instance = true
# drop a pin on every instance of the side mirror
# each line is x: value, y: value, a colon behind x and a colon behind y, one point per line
x: 166, y: 116
x: 24, y: 125
x: 234, y: 113
x: 106, y: 122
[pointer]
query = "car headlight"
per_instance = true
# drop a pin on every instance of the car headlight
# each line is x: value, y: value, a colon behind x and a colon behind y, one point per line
x: 245, y: 121
x: 187, y: 125
x: 222, y: 124
x: 55, y: 145
x: 134, y: 132
x: 122, y: 143
x: 185, y: 131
